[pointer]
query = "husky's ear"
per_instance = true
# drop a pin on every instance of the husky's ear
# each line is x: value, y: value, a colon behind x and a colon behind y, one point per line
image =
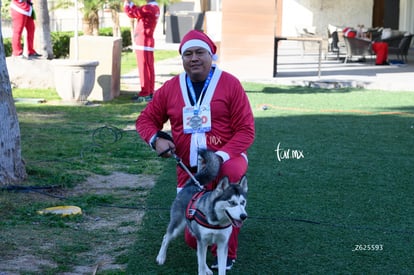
x: 223, y: 184
x: 243, y: 184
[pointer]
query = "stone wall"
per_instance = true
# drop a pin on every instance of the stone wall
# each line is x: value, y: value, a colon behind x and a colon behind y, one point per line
x: 298, y: 13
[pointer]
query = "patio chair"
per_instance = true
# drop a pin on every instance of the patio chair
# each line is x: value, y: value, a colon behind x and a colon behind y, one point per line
x: 305, y: 32
x: 392, y: 41
x: 336, y: 42
x: 401, y: 51
x: 357, y: 47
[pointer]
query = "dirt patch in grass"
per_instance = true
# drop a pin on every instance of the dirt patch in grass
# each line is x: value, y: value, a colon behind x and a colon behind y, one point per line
x: 98, y: 240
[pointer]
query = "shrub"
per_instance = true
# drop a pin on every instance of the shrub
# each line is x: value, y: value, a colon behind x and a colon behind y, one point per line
x: 125, y: 35
x: 7, y: 46
x: 61, y: 41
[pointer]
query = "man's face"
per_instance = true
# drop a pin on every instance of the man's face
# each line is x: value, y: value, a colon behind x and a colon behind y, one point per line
x: 197, y: 63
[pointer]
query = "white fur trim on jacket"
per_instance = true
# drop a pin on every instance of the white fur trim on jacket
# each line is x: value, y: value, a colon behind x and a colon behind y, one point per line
x: 198, y: 140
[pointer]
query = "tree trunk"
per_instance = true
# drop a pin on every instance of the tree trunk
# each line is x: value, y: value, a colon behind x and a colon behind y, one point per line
x: 116, y: 29
x: 43, y: 29
x: 91, y: 24
x: 86, y: 27
x: 12, y: 167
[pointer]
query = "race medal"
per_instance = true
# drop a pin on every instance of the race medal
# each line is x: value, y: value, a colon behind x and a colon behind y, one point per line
x: 196, y: 121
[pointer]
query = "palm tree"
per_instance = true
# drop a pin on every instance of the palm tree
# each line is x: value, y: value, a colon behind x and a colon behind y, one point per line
x: 43, y: 29
x: 13, y: 169
x: 115, y: 7
x: 91, y: 16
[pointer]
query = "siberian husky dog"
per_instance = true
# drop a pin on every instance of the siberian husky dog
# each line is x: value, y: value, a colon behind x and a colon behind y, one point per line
x: 208, y: 214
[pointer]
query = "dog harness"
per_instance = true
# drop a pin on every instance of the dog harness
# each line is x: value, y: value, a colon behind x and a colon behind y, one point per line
x: 193, y: 213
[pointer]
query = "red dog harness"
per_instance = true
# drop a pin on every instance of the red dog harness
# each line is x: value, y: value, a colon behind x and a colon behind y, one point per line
x: 193, y: 213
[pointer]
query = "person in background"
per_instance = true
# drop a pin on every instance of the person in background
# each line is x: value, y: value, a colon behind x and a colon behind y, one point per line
x: 147, y: 18
x: 380, y: 48
x: 22, y: 15
x: 208, y: 109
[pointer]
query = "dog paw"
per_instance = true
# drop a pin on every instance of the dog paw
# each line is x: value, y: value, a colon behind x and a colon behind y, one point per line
x: 160, y: 259
x: 209, y: 272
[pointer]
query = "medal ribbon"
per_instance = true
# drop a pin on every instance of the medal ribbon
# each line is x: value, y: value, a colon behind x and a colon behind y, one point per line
x: 192, y: 92
x: 197, y: 139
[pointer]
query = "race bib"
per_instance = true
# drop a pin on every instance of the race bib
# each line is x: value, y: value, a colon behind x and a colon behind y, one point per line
x: 196, y: 120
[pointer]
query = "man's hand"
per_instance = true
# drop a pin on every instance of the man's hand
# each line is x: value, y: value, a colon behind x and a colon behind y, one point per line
x: 164, y: 147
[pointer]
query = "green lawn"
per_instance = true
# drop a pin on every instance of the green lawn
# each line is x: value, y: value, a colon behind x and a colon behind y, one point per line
x: 330, y: 171
x: 344, y: 178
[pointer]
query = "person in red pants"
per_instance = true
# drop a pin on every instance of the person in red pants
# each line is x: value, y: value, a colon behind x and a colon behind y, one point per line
x: 225, y: 121
x: 147, y: 17
x: 380, y: 48
x: 23, y: 16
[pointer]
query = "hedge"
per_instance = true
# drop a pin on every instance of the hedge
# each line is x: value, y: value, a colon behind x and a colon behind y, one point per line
x: 61, y: 41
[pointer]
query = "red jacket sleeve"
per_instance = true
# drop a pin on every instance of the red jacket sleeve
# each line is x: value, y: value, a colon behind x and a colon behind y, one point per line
x: 236, y: 125
x: 132, y: 11
x: 156, y: 113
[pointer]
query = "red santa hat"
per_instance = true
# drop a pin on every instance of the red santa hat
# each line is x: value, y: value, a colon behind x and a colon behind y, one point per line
x: 197, y: 38
x: 349, y: 32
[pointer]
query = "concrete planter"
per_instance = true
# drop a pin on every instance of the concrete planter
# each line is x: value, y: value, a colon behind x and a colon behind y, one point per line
x: 74, y: 79
x: 108, y: 54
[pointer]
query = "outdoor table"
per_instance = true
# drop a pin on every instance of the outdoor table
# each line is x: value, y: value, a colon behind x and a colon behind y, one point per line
x: 294, y: 38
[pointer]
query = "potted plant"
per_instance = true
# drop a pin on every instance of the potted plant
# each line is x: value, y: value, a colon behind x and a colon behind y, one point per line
x: 74, y: 78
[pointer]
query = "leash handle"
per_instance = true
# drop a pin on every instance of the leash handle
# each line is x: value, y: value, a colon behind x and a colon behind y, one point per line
x: 164, y: 152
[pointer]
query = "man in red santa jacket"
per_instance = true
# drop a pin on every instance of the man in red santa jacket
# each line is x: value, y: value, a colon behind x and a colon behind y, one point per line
x: 147, y: 17
x: 227, y: 126
x: 22, y: 15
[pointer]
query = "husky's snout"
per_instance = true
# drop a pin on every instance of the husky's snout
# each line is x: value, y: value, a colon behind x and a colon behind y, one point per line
x: 243, y: 216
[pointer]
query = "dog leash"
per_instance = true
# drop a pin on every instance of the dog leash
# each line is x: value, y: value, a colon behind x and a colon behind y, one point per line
x: 181, y: 164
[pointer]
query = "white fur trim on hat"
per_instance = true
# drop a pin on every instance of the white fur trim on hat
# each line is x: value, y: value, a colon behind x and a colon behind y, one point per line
x: 197, y: 43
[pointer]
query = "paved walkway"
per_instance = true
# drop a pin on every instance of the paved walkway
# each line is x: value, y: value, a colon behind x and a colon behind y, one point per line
x: 302, y: 70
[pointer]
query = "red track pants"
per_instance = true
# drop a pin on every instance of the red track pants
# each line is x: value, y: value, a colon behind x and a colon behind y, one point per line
x: 19, y: 22
x: 381, y: 50
x: 145, y: 61
x: 234, y: 169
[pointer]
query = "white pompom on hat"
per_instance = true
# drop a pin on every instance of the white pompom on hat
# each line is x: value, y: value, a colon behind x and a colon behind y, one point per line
x: 197, y: 38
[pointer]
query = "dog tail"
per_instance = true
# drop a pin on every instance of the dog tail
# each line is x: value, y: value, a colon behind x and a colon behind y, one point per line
x: 211, y: 164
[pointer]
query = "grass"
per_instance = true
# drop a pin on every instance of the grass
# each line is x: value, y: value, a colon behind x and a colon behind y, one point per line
x: 63, y: 146
x: 350, y: 185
